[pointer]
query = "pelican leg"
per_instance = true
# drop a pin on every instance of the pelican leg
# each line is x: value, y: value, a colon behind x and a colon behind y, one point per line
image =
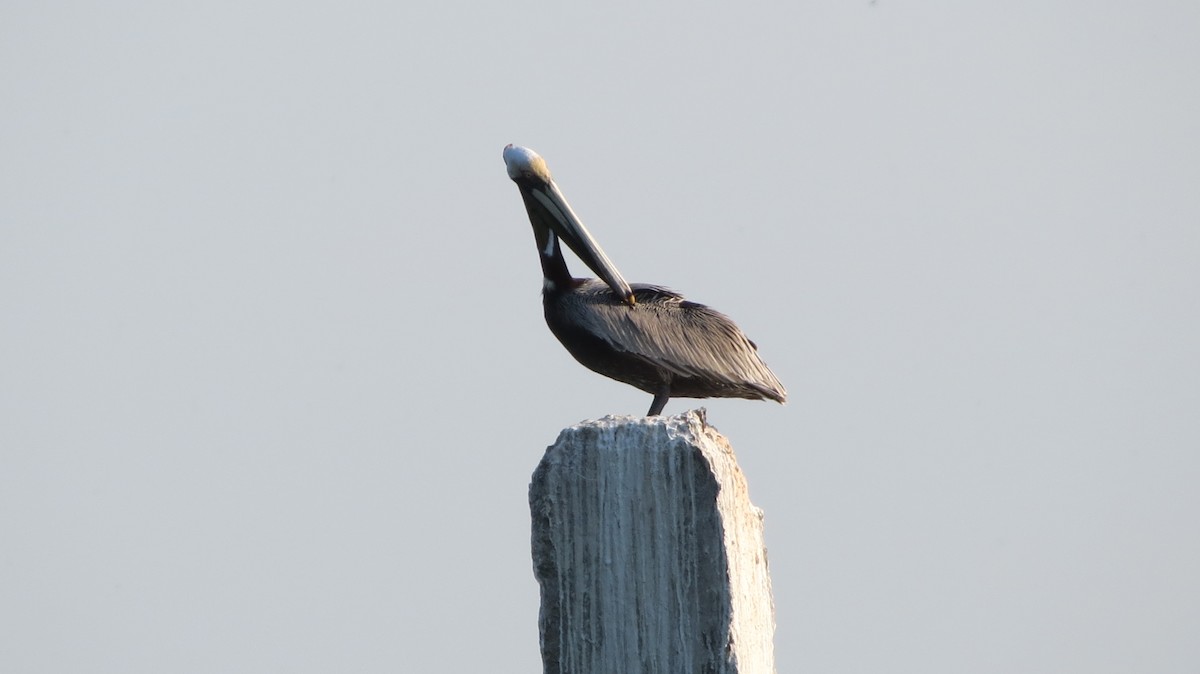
x: 660, y: 401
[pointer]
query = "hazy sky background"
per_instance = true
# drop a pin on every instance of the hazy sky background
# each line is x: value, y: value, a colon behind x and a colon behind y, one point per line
x: 274, y: 374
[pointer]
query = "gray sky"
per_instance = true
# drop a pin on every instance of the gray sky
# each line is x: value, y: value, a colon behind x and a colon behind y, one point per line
x: 274, y: 376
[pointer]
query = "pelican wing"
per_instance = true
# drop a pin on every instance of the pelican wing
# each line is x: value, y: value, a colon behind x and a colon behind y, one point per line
x: 686, y: 339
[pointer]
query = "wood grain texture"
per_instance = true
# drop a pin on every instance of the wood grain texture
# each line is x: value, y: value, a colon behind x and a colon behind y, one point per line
x: 649, y: 554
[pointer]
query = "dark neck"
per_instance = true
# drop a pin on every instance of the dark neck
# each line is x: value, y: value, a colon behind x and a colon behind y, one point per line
x: 554, y: 267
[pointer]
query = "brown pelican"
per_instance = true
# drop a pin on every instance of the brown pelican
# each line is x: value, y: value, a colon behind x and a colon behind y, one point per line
x: 644, y: 335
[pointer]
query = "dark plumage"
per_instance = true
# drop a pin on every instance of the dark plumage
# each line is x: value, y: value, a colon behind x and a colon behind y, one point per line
x: 644, y: 335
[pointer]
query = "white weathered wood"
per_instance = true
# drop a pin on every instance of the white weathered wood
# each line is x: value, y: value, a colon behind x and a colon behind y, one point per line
x: 649, y: 554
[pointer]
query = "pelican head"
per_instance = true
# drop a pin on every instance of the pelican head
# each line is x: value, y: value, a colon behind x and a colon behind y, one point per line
x: 552, y: 216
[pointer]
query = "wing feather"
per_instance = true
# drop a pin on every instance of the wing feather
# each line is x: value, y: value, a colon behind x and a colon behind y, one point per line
x: 686, y: 339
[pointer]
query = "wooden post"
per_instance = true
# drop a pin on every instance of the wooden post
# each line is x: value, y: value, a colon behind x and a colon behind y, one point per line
x: 649, y: 554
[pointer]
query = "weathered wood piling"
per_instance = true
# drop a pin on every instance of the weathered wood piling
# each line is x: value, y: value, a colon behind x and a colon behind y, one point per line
x: 649, y: 554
